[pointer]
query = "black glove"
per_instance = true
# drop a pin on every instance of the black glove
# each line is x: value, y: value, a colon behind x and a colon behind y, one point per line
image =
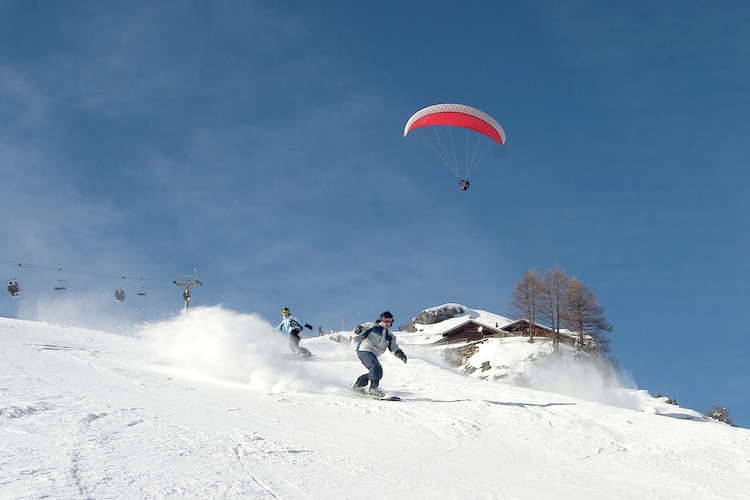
x: 308, y: 326
x: 400, y: 355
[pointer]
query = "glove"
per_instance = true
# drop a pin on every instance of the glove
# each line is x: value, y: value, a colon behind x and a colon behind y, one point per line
x: 400, y: 355
x: 308, y: 326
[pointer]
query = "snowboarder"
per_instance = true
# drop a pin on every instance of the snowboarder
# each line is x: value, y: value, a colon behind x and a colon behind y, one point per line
x: 372, y: 343
x: 293, y: 326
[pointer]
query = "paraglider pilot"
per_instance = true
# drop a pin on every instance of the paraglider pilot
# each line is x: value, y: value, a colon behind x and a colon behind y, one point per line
x: 464, y: 185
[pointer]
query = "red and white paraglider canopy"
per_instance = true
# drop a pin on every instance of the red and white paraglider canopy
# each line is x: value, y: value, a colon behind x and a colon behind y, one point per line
x: 457, y: 115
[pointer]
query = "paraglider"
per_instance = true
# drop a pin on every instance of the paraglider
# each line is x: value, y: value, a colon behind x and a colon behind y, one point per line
x: 459, y: 135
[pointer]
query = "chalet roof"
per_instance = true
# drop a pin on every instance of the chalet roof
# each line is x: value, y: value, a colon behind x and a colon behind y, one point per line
x: 492, y: 324
x: 429, y: 334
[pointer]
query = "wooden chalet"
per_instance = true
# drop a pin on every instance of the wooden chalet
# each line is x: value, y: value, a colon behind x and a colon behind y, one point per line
x: 470, y: 331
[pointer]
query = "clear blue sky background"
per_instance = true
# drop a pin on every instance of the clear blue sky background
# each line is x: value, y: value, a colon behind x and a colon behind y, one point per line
x: 261, y: 142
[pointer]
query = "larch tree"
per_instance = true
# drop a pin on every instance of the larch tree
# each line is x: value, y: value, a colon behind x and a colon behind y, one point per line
x: 582, y: 314
x: 524, y: 301
x: 552, y: 289
x: 562, y: 301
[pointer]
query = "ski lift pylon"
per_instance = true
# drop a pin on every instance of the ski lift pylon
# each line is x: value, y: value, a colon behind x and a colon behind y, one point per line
x: 187, y: 282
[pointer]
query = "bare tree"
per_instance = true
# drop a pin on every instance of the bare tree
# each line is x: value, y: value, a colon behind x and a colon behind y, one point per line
x: 524, y: 300
x: 554, y: 283
x: 720, y: 413
x: 582, y: 314
x: 561, y: 302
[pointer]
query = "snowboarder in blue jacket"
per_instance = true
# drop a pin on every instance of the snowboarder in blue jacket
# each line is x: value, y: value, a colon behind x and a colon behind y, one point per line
x: 293, y: 326
x: 372, y: 343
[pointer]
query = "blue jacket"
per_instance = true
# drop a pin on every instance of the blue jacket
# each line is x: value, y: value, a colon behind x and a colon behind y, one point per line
x: 376, y: 340
x: 289, y: 323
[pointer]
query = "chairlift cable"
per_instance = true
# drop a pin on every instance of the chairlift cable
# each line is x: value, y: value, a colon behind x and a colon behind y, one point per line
x: 84, y: 273
x: 191, y: 280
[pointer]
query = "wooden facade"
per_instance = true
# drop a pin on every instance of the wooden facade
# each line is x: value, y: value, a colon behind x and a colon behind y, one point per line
x: 472, y: 331
x: 469, y: 331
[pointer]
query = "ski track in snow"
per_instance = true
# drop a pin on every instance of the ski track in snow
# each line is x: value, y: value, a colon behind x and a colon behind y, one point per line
x: 92, y: 415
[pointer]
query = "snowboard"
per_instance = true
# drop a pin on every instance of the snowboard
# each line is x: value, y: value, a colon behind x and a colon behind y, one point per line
x: 297, y: 356
x: 372, y: 396
x: 384, y: 398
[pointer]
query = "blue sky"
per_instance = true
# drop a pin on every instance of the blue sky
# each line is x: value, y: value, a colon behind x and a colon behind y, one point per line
x: 262, y: 143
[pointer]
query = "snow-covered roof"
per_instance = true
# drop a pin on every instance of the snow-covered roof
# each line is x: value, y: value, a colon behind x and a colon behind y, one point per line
x: 429, y: 334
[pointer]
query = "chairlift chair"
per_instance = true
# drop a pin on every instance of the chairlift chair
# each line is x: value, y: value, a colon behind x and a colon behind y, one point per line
x: 14, y: 289
x: 141, y: 289
x: 60, y: 284
x: 120, y: 295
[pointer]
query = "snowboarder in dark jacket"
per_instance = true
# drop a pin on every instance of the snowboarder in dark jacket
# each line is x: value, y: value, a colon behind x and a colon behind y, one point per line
x: 372, y: 343
x: 293, y: 326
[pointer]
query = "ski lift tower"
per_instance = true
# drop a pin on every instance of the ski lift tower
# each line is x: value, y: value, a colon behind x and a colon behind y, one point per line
x: 187, y: 282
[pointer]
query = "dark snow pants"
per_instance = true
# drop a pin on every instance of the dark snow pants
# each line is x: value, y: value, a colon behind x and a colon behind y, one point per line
x: 375, y: 369
x: 294, y: 341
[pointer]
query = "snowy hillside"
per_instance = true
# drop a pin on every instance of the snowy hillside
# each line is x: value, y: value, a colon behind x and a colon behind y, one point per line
x: 207, y: 406
x: 515, y: 361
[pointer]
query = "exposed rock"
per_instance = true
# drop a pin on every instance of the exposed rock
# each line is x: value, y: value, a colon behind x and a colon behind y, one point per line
x: 436, y: 315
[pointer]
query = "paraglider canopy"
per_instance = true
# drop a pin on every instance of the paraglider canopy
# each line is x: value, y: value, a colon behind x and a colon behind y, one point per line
x: 457, y: 115
x: 459, y: 135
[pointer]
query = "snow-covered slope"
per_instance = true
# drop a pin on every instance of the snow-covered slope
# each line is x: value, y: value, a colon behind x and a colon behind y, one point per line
x: 206, y: 406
